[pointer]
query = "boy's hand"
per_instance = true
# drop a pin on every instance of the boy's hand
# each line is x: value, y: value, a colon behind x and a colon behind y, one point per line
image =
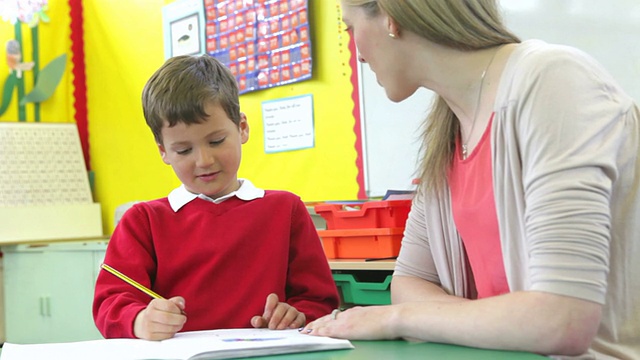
x: 161, y: 319
x: 278, y: 316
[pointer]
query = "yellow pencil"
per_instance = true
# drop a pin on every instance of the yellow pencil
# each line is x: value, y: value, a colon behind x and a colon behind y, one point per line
x: 131, y: 282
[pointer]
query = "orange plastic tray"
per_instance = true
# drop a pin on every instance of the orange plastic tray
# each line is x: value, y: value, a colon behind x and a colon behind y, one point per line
x: 371, y: 214
x: 361, y: 243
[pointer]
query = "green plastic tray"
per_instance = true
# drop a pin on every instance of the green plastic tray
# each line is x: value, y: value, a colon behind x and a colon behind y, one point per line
x: 363, y: 293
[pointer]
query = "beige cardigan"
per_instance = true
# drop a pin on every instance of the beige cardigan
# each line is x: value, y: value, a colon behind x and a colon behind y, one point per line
x: 565, y: 140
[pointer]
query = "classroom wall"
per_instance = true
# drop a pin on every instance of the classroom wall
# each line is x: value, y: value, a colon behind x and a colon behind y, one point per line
x: 123, y: 40
x: 54, y: 41
x: 124, y: 46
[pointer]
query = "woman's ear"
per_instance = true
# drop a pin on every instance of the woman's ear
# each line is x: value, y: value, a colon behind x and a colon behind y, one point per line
x: 393, y: 28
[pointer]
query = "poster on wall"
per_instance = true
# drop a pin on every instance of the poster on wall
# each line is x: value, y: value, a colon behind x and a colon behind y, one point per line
x: 185, y: 36
x: 183, y: 28
x: 288, y: 124
x: 265, y: 43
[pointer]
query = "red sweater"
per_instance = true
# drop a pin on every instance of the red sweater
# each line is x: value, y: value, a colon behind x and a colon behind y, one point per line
x: 224, y: 259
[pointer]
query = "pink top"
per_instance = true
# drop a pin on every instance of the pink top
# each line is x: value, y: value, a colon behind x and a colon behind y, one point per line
x: 474, y: 213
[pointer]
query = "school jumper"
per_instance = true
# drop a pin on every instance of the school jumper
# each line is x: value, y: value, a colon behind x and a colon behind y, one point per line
x: 223, y: 258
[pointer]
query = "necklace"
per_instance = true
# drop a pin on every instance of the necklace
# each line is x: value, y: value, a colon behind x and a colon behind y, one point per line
x: 465, y: 147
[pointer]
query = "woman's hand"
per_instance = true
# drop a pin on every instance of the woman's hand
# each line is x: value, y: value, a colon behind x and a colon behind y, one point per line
x: 357, y: 323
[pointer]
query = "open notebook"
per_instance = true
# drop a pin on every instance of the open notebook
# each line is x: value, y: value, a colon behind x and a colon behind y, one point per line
x: 196, y: 345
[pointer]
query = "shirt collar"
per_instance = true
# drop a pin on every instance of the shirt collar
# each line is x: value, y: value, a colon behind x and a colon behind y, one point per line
x: 180, y: 196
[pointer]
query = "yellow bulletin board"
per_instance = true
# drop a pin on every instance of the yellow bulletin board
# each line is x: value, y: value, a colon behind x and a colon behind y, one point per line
x: 328, y: 171
x: 124, y: 155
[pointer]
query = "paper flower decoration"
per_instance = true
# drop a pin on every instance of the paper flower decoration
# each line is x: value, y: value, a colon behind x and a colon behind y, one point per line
x: 30, y: 12
x: 27, y: 11
x: 14, y: 57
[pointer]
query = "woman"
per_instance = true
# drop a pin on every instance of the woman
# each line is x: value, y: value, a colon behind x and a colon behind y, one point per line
x: 523, y: 233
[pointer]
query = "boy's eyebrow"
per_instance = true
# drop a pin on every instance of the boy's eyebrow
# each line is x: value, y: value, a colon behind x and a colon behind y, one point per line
x: 186, y: 142
x: 180, y: 143
x: 216, y: 132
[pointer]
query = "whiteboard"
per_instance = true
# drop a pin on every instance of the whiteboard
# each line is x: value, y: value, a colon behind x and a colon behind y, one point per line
x: 607, y: 30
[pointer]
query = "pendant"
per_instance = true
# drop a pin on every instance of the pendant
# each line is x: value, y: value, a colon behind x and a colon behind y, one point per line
x: 464, y: 151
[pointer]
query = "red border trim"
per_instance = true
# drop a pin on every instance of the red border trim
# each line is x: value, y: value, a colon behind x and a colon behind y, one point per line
x: 357, y: 128
x: 79, y: 77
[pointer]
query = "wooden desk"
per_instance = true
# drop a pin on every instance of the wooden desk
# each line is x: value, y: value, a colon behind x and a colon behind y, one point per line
x: 403, y: 350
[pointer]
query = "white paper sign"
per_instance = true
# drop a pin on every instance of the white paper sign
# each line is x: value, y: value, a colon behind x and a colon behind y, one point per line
x: 288, y: 124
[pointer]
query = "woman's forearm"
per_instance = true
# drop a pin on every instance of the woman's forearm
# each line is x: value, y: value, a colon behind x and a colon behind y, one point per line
x: 524, y: 321
x: 408, y: 289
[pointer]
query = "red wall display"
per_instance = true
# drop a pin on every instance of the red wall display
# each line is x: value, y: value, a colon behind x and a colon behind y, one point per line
x: 265, y: 43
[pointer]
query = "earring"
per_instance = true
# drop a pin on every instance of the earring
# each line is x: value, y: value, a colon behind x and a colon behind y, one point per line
x: 392, y: 35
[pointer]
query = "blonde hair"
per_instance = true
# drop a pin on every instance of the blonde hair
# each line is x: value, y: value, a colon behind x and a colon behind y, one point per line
x: 465, y: 25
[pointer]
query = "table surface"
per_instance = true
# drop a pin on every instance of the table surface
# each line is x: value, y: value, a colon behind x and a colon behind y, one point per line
x: 403, y: 350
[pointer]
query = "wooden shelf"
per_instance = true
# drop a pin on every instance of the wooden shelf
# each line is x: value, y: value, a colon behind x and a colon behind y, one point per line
x: 360, y: 264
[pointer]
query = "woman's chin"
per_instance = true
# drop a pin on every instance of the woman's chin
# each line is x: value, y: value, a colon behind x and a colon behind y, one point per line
x: 395, y: 97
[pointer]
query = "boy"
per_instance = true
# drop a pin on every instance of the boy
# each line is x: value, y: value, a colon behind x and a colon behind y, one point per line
x: 223, y: 253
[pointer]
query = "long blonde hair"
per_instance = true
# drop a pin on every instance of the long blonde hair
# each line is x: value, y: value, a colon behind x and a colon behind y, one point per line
x: 465, y: 25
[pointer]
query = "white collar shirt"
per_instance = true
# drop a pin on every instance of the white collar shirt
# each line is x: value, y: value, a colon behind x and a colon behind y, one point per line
x: 180, y: 196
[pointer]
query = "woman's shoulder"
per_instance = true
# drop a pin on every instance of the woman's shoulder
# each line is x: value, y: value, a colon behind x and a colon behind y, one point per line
x: 537, y: 57
x: 542, y: 51
x: 535, y: 63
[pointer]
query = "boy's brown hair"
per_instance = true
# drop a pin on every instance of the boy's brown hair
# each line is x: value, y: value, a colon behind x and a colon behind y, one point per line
x: 180, y: 88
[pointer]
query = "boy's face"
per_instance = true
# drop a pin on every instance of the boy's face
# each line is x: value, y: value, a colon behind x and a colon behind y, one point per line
x: 206, y: 156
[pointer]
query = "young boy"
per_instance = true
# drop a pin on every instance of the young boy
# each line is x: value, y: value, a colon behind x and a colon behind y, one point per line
x: 223, y: 253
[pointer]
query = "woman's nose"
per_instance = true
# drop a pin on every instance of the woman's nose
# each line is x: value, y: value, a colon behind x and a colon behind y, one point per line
x: 361, y: 59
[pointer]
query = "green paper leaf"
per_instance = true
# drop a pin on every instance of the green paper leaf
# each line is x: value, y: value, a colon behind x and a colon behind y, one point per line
x: 48, y: 79
x: 44, y: 17
x: 7, y: 92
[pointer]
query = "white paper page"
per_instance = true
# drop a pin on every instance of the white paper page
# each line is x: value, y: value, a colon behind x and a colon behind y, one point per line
x: 95, y: 349
x: 182, y: 346
x: 242, y: 339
